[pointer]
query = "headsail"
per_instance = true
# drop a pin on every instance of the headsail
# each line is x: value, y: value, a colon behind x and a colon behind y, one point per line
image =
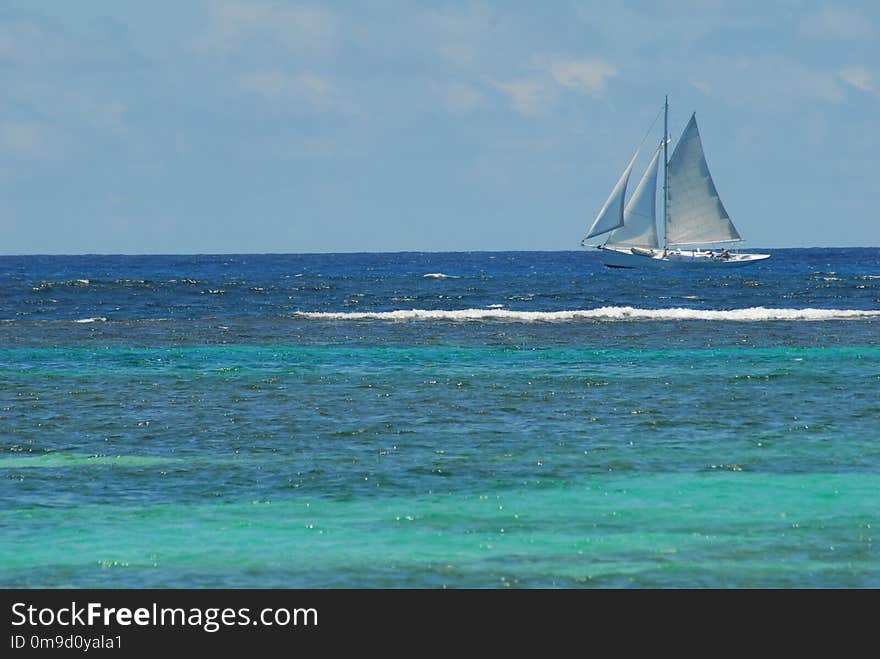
x: 639, y: 226
x: 611, y: 215
x: 695, y: 214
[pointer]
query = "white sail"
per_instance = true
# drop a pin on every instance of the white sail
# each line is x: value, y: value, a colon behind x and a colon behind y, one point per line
x: 611, y: 215
x: 695, y: 214
x: 639, y: 224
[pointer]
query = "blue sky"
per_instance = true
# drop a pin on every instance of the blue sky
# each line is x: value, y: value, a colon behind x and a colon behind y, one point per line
x: 232, y: 126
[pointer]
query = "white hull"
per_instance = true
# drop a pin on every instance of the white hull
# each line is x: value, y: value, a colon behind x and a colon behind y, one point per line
x: 615, y: 257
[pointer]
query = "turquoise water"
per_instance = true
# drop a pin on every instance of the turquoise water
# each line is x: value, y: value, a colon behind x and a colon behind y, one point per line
x: 268, y: 436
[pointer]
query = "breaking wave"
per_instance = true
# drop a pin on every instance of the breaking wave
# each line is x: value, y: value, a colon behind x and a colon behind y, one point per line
x: 598, y: 314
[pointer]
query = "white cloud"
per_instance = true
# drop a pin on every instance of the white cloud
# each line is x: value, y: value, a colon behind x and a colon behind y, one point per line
x: 317, y: 91
x: 533, y: 145
x: 836, y: 23
x: 25, y: 139
x: 319, y: 148
x: 538, y: 93
x: 476, y: 20
x: 859, y: 78
x: 320, y: 92
x: 457, y: 97
x: 20, y: 42
x: 652, y: 23
x: 774, y: 82
x: 104, y: 114
x: 460, y: 54
x: 271, y: 84
x: 232, y: 24
x: 493, y: 171
x: 805, y: 83
x: 584, y: 75
x: 530, y: 96
x: 459, y: 36
x: 702, y: 86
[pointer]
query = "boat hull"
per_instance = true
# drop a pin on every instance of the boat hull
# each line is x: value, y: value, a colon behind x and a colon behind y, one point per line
x: 675, y: 260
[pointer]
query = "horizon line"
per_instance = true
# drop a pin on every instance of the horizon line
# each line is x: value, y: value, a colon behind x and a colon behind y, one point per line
x: 397, y: 251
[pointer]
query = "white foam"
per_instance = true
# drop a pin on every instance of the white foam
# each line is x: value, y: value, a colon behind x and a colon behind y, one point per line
x: 46, y: 285
x: 96, y: 319
x: 598, y: 314
x: 439, y: 275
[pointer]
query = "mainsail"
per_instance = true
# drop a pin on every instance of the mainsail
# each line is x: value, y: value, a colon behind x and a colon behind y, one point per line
x: 611, y: 215
x: 639, y: 225
x: 695, y: 214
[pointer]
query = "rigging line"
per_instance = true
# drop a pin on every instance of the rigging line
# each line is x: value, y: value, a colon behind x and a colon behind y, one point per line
x: 648, y: 132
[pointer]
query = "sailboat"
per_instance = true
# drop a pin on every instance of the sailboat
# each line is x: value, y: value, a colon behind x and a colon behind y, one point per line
x: 693, y: 215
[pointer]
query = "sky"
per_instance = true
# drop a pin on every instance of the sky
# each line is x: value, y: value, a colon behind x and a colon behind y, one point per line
x: 226, y: 126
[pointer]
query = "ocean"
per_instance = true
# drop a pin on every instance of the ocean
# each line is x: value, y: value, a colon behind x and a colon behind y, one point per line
x: 438, y: 420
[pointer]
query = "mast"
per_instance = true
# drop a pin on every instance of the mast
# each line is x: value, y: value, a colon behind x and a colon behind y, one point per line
x: 665, y: 163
